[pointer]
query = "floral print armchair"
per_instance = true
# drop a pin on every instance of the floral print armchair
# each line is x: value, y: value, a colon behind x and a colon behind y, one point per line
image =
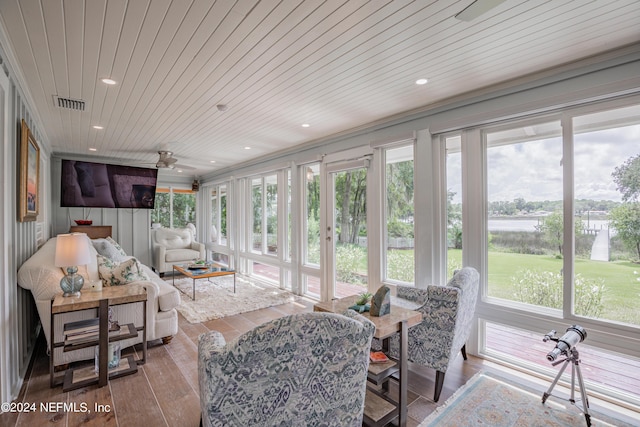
x: 448, y: 320
x: 300, y: 370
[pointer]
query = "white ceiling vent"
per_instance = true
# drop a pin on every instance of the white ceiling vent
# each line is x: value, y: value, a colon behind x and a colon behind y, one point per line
x: 68, y: 103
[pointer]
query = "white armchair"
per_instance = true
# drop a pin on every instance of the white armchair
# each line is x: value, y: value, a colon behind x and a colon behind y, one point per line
x: 174, y: 246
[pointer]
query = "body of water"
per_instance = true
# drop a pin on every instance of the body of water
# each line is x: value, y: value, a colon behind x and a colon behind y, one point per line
x: 506, y: 224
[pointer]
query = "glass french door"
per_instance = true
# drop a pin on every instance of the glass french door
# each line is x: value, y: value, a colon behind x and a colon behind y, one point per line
x: 346, y: 229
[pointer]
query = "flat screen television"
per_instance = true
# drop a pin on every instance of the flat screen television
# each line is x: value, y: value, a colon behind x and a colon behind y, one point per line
x: 101, y: 185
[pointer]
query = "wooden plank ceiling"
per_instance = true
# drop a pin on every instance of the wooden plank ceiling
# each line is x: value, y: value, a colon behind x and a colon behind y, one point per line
x: 335, y: 64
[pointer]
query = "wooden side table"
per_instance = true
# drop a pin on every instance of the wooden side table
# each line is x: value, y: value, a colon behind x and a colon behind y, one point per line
x: 93, y: 231
x: 101, y: 300
x: 378, y: 409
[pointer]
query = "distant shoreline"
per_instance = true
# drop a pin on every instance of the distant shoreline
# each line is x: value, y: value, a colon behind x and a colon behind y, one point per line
x: 523, y: 223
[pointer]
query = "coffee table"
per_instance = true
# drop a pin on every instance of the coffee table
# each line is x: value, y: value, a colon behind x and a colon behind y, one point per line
x: 207, y: 271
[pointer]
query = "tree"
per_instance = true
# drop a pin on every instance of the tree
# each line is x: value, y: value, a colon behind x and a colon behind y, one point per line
x: 627, y: 178
x: 553, y: 229
x: 625, y: 219
x: 400, y: 190
x: 184, y: 209
x: 313, y: 198
x: 454, y: 222
x: 351, y: 200
x: 183, y: 206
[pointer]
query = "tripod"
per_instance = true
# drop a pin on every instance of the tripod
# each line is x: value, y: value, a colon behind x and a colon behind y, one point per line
x: 574, y: 358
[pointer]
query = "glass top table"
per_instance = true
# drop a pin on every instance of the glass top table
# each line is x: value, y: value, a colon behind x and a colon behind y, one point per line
x: 204, y: 272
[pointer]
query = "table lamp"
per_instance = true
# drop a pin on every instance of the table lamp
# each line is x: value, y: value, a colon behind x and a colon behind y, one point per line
x: 72, y: 250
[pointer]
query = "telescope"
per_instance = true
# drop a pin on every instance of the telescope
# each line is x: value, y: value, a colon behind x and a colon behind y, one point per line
x: 572, y: 336
x: 566, y: 346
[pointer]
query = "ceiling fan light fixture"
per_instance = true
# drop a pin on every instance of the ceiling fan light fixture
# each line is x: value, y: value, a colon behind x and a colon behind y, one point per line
x: 166, y: 160
x: 164, y: 165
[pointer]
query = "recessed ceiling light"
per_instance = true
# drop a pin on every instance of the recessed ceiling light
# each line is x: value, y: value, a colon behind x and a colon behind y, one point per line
x: 180, y: 170
x: 212, y: 161
x: 98, y: 127
x: 93, y: 149
x: 108, y: 81
x: 305, y: 125
x: 247, y: 148
x: 421, y: 81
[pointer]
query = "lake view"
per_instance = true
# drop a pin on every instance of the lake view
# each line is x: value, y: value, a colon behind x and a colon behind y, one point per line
x: 529, y: 224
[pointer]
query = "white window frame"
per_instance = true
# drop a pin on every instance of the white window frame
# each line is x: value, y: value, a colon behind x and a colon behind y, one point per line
x: 607, y: 335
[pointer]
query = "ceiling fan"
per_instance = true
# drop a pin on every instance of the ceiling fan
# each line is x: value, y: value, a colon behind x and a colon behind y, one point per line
x: 166, y: 160
x: 477, y: 8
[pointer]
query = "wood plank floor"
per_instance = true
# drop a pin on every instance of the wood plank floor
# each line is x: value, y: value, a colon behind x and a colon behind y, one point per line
x: 164, y: 392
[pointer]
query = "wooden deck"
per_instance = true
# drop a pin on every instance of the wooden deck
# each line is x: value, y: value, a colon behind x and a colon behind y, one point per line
x: 608, y: 369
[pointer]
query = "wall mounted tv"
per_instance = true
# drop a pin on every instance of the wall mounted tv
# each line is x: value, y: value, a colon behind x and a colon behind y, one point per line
x: 101, y: 185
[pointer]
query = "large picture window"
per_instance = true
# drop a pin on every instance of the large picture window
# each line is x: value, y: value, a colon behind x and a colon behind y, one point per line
x: 454, y: 203
x: 399, y: 213
x: 312, y: 215
x: 264, y: 199
x: 525, y: 220
x: 219, y: 215
x: 174, y: 208
x: 607, y: 208
x: 562, y: 237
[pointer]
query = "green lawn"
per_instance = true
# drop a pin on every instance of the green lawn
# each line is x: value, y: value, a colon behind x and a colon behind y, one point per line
x: 621, y: 278
x: 622, y: 296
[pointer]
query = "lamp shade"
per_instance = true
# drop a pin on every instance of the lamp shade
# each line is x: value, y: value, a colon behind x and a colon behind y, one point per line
x: 72, y: 250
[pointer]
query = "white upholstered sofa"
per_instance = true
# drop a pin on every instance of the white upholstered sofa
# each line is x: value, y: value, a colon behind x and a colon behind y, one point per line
x: 39, y: 275
x: 174, y: 246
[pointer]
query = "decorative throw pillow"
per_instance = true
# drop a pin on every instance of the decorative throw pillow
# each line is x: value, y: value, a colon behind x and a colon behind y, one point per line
x: 118, y: 247
x: 107, y: 249
x: 115, y: 273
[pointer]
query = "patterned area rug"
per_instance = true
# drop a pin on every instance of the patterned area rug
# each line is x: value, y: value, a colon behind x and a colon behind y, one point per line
x: 488, y: 400
x: 215, y: 298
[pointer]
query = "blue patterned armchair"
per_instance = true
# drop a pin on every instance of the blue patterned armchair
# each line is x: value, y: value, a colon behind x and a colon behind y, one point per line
x: 301, y: 370
x: 448, y: 320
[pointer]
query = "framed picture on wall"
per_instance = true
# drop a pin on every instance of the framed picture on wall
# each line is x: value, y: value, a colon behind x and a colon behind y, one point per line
x: 28, y: 203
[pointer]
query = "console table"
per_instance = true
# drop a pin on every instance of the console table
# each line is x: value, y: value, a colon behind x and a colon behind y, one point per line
x: 93, y: 231
x: 100, y: 300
